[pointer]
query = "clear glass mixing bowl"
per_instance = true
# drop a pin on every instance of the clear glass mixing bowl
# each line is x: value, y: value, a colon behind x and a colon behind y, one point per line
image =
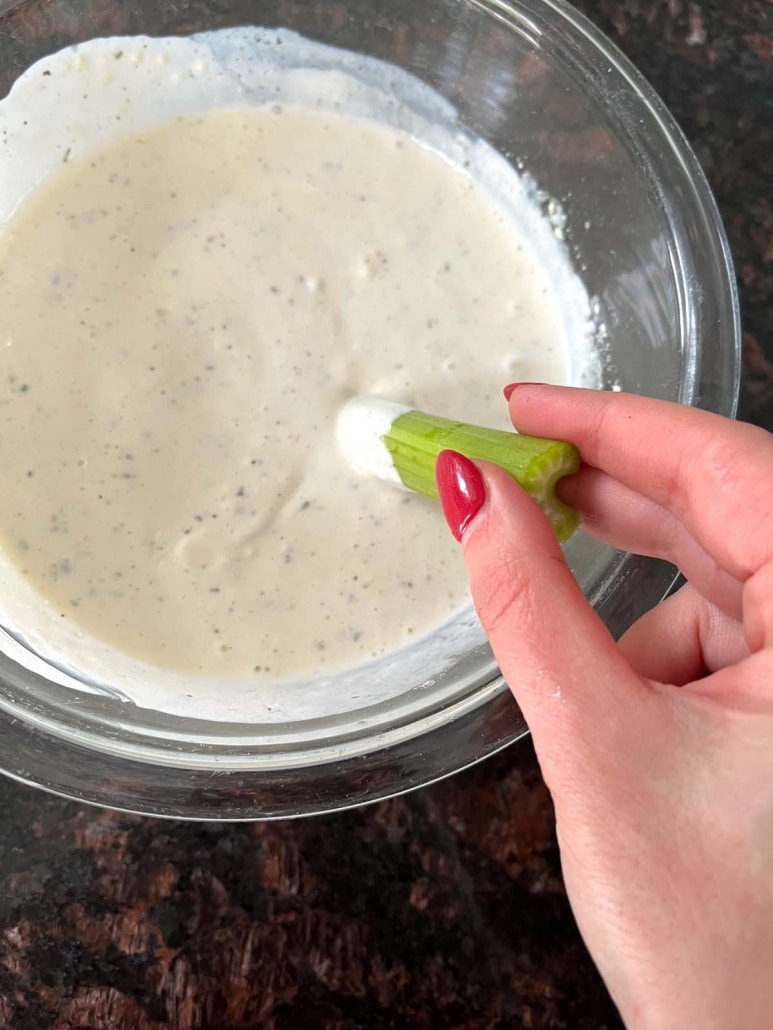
x: 538, y: 82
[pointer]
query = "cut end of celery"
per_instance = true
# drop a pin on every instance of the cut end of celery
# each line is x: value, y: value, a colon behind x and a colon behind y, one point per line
x: 546, y: 469
x: 415, y: 440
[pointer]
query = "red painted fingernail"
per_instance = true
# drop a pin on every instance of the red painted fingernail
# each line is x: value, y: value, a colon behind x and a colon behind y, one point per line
x: 510, y: 389
x: 461, y: 489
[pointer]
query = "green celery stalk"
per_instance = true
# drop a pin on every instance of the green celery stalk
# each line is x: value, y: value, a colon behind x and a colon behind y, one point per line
x: 415, y: 440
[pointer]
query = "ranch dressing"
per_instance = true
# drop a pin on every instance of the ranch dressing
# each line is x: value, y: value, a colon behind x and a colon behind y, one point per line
x: 183, y: 309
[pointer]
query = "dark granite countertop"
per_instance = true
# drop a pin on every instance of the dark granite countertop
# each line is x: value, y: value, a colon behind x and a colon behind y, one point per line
x: 444, y: 908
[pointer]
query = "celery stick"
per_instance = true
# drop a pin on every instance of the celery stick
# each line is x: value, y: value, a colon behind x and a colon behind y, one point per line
x: 415, y: 440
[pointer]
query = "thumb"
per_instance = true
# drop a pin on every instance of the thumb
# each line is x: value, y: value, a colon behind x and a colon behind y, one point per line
x: 563, y: 666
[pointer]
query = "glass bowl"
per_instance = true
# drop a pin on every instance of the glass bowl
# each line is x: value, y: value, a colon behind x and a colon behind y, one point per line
x: 541, y: 85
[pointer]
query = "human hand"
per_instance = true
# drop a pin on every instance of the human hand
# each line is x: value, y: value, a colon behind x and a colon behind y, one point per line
x: 658, y: 750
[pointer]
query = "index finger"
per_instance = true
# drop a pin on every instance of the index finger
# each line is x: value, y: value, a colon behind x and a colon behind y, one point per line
x: 716, y: 475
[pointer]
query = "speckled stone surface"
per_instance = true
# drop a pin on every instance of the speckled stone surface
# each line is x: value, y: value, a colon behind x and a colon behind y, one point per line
x: 442, y: 909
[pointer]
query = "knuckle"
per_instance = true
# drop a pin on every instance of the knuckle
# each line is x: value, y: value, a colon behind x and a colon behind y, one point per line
x: 674, y: 541
x: 758, y: 609
x: 599, y: 418
x: 507, y: 598
x: 722, y: 465
x: 503, y: 596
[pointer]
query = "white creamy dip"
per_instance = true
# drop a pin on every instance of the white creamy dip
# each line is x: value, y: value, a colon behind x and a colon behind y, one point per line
x: 243, y: 237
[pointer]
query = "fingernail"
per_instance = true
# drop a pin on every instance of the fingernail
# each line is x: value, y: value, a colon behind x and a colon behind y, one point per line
x: 461, y: 489
x: 510, y: 389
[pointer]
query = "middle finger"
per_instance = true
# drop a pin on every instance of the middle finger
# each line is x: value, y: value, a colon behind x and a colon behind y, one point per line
x: 621, y: 517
